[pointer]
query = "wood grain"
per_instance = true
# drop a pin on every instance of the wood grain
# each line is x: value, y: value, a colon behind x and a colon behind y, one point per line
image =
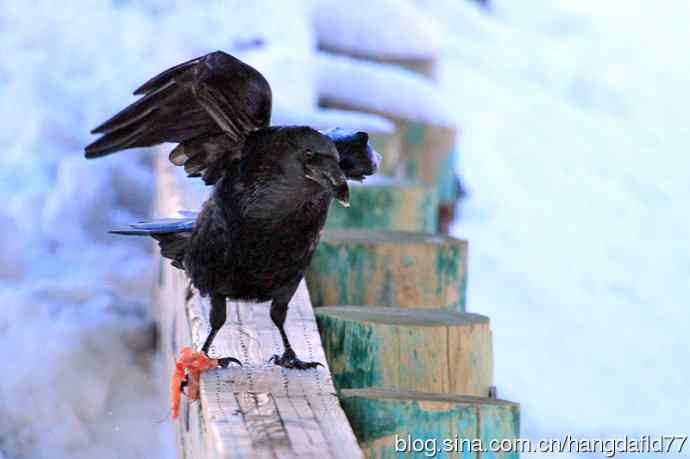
x: 383, y: 268
x: 408, y: 349
x: 387, y: 204
x: 381, y: 418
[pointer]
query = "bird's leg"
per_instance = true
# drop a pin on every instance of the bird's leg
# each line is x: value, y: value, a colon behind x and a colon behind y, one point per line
x: 289, y: 358
x: 217, y: 319
x: 190, y: 364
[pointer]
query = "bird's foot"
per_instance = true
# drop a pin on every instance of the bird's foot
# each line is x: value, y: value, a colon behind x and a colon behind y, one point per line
x: 225, y: 361
x: 290, y: 360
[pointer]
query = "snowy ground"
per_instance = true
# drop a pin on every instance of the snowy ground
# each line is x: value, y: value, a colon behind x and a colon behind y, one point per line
x: 75, y: 300
x: 574, y: 144
x: 575, y: 154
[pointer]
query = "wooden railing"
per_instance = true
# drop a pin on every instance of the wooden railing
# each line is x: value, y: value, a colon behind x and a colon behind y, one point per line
x: 260, y: 409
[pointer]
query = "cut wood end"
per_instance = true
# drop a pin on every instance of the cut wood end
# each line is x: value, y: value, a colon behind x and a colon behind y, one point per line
x: 388, y: 394
x: 400, y: 316
x: 364, y: 236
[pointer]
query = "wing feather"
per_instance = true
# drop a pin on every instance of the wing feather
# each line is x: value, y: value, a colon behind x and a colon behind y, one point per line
x: 209, y: 105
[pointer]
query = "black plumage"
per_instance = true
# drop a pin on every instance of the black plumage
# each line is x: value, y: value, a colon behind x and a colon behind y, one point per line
x: 255, y: 236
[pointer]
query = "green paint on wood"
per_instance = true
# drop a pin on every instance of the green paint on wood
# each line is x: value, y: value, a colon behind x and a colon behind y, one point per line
x: 405, y: 348
x: 359, y: 344
x: 499, y: 422
x: 408, y: 270
x: 448, y: 184
x: 395, y: 206
x: 428, y: 207
x: 397, y: 316
x: 415, y: 133
x: 414, y: 137
x: 388, y: 146
x: 380, y: 414
x: 376, y: 418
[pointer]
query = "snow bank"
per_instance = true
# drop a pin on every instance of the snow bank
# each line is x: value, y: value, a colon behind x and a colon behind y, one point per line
x: 382, y: 88
x: 13, y: 262
x: 76, y: 389
x: 329, y: 118
x: 575, y: 159
x: 274, y: 37
x: 89, y: 198
x: 74, y: 298
x: 290, y: 75
x: 383, y: 28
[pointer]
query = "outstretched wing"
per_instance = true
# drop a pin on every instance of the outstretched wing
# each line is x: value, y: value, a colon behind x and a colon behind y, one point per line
x: 358, y: 158
x: 208, y: 105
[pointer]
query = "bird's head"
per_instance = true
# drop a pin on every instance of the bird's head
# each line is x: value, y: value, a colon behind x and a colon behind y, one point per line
x: 304, y: 159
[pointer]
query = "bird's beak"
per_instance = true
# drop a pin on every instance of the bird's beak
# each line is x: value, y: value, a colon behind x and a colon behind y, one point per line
x: 338, y: 182
x: 342, y: 194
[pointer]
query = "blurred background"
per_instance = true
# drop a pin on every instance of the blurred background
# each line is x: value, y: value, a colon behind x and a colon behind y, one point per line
x: 572, y: 146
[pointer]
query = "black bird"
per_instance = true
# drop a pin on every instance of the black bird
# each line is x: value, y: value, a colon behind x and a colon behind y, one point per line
x: 256, y: 234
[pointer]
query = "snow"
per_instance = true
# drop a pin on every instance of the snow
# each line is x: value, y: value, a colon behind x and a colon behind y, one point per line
x: 574, y: 154
x: 75, y: 299
x: 77, y: 389
x: 380, y: 88
x: 366, y: 28
x: 574, y: 120
x: 328, y: 118
x: 13, y: 257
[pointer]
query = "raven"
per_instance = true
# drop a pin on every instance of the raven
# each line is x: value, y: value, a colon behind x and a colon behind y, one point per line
x: 272, y: 186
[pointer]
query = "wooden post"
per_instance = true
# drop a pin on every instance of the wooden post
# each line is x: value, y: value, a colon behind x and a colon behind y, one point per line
x: 381, y: 203
x: 412, y: 349
x: 427, y: 152
x: 399, y: 269
x: 425, y: 146
x: 389, y: 145
x: 387, y: 421
x: 258, y: 410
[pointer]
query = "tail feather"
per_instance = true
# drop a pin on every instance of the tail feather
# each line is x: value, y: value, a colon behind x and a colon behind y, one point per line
x: 161, y: 226
x: 172, y: 234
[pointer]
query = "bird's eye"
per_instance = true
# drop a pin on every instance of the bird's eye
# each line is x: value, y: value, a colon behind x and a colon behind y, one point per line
x: 308, y: 154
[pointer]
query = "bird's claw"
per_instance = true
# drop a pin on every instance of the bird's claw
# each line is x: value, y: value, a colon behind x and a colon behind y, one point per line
x: 184, y: 383
x: 290, y: 360
x: 225, y: 361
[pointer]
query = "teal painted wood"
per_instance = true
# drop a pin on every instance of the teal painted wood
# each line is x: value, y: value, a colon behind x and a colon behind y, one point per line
x: 353, y: 350
x: 389, y: 205
x: 381, y: 419
x: 431, y: 157
x: 389, y: 147
x: 448, y: 182
x: 499, y: 422
x: 431, y: 350
x: 399, y: 269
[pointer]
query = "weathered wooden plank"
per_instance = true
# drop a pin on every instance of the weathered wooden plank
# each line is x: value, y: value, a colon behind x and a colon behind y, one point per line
x: 399, y: 269
x: 410, y: 349
x: 385, y: 419
x: 388, y: 204
x: 389, y: 146
x: 259, y: 410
